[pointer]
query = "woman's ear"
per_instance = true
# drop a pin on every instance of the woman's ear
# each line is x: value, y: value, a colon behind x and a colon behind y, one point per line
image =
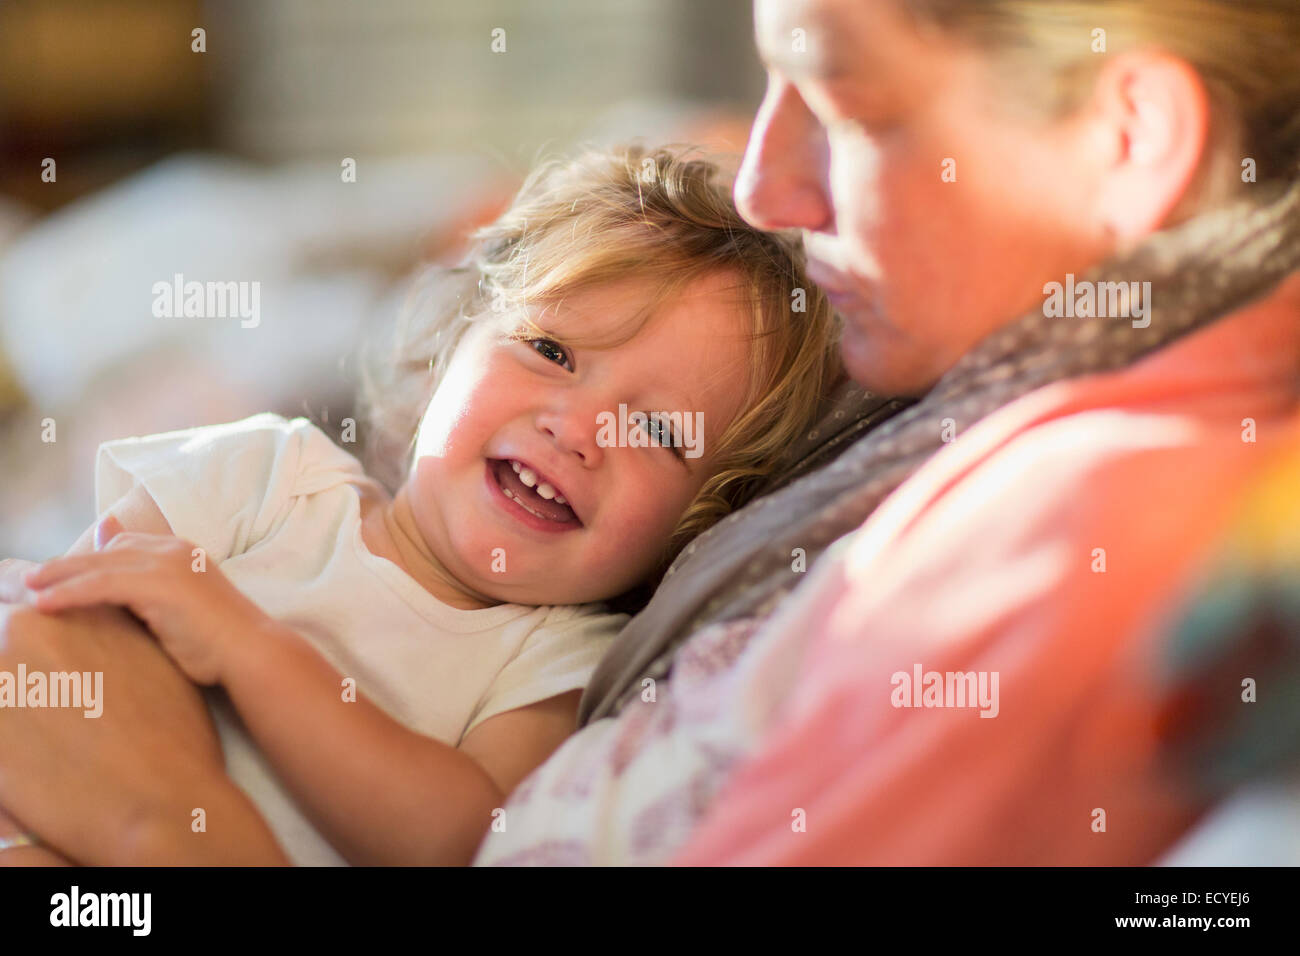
x: 1152, y: 113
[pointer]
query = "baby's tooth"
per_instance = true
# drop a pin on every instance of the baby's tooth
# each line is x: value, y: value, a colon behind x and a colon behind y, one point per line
x: 528, y: 477
x: 545, y: 490
x: 561, y: 500
x: 516, y: 466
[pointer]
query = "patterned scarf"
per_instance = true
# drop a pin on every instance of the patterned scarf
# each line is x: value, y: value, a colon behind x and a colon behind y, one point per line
x: 1198, y: 272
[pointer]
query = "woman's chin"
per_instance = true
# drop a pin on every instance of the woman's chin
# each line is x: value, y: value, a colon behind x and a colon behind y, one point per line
x: 880, y: 362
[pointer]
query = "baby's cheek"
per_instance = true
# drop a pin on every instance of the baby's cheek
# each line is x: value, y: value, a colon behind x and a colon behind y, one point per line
x: 434, y: 489
x: 645, y: 525
x: 426, y: 477
x: 612, y: 567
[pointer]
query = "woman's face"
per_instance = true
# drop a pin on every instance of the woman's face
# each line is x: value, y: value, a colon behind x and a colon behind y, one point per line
x: 931, y: 211
x: 528, y: 486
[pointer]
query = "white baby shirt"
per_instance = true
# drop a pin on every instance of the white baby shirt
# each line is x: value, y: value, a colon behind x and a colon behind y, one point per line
x: 273, y: 502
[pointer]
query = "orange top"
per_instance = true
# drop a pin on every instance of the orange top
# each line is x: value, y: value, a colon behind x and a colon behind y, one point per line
x: 1045, y: 550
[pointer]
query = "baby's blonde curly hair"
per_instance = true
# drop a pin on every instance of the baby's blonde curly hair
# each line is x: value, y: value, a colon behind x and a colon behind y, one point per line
x: 665, y: 215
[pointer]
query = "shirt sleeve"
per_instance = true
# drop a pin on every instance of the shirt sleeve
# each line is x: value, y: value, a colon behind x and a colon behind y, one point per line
x: 557, y: 656
x: 223, y: 487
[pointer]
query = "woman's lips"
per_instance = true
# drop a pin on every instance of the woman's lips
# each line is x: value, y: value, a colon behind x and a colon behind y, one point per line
x: 837, y: 287
x: 856, y: 304
x: 498, y: 482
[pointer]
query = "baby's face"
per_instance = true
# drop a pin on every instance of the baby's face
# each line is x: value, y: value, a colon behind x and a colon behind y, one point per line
x: 520, y: 486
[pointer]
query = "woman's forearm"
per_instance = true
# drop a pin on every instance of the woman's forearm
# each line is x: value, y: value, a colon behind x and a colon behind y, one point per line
x: 150, y: 759
x: 233, y: 833
x: 13, y: 852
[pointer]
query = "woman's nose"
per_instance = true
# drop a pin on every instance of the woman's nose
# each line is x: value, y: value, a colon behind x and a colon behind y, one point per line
x: 781, y: 181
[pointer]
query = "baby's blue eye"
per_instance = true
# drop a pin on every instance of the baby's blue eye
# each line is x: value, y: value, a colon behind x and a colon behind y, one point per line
x: 661, y: 434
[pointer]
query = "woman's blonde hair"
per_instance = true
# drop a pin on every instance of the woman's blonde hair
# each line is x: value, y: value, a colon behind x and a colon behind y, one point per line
x: 664, y: 215
x: 1245, y: 51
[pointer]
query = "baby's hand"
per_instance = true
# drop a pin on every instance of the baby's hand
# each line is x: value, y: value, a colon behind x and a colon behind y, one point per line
x: 195, y: 612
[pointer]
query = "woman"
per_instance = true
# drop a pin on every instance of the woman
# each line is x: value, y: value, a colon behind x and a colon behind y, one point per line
x: 948, y: 162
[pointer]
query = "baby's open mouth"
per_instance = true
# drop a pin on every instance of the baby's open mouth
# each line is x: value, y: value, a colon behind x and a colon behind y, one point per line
x: 526, y: 488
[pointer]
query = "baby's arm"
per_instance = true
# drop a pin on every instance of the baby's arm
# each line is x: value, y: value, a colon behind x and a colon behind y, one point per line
x: 381, y: 793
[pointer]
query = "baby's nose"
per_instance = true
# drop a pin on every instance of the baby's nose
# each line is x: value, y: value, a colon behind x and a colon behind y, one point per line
x: 573, y: 432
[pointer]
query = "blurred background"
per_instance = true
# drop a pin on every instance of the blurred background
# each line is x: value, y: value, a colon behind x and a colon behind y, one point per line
x: 133, y: 149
